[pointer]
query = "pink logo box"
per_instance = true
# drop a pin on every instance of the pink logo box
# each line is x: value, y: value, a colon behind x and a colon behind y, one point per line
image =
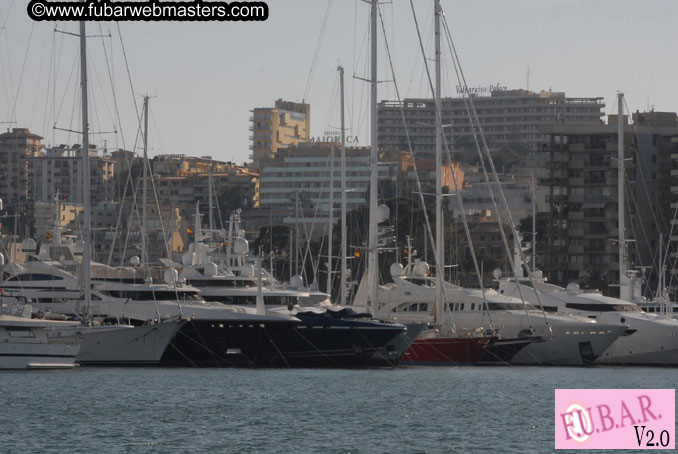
x: 615, y: 418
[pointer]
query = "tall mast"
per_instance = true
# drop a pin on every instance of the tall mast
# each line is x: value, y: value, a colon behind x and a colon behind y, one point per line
x: 330, y: 220
x: 624, y: 284
x: 440, y: 256
x: 209, y: 198
x: 86, y: 250
x: 372, y: 253
x: 57, y: 219
x: 144, y: 193
x: 342, y: 293
x: 534, y: 224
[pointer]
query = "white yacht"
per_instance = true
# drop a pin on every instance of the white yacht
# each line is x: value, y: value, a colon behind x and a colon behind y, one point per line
x: 651, y: 340
x: 567, y: 340
x: 25, y: 344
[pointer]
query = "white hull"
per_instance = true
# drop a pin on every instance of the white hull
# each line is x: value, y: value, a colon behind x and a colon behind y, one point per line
x: 124, y: 345
x: 37, y: 356
x: 654, y: 342
x: 651, y: 340
x: 568, y: 349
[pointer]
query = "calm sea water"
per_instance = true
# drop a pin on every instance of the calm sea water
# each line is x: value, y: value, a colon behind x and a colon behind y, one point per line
x: 408, y: 410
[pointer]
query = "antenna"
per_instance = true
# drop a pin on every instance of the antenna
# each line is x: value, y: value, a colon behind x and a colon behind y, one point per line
x: 528, y: 77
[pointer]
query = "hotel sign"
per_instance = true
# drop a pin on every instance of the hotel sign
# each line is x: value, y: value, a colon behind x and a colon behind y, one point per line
x: 480, y: 89
x: 334, y: 136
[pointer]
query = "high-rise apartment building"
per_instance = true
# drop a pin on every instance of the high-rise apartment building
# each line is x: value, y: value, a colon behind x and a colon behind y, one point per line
x: 508, y: 117
x: 60, y: 168
x: 288, y: 123
x: 580, y: 242
x: 16, y: 148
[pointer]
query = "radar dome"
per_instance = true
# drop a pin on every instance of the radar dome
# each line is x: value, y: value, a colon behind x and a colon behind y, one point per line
x: 573, y: 287
x: 421, y: 269
x: 134, y: 260
x: 383, y: 213
x: 397, y: 270
x: 28, y: 245
x: 171, y: 276
x: 497, y: 273
x: 247, y: 270
x: 297, y: 281
x: 241, y: 246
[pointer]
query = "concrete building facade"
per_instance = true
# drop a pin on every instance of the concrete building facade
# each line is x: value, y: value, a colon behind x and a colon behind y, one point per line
x: 60, y: 168
x: 304, y: 172
x: 508, y: 117
x: 16, y: 148
x: 288, y: 123
x: 581, y: 226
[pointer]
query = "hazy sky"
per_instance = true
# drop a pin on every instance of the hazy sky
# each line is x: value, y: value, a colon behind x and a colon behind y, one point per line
x: 207, y: 76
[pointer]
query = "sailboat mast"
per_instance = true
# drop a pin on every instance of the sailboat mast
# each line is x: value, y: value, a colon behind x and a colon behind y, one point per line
x: 440, y: 256
x: 86, y: 250
x: 344, y: 268
x: 372, y: 253
x: 209, y: 198
x: 144, y: 193
x: 624, y: 290
x: 330, y: 220
x: 534, y: 224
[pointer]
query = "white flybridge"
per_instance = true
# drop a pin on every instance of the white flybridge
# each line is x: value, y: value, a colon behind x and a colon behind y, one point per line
x: 651, y: 340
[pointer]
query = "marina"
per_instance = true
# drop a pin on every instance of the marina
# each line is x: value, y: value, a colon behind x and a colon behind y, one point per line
x: 443, y: 260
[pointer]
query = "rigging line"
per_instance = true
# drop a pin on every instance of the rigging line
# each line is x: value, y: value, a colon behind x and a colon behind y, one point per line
x: 57, y: 69
x: 316, y: 54
x: 309, y: 236
x: 416, y: 67
x: 21, y: 74
x: 352, y: 120
x: 95, y: 123
x: 632, y: 204
x: 473, y: 112
x: 110, y: 78
x: 129, y: 74
x: 131, y: 183
x: 9, y: 67
x: 130, y: 180
x: 107, y: 108
x: 454, y: 176
x: 640, y: 164
x: 49, y: 84
x: 9, y: 9
x: 353, y: 62
x: 39, y: 79
x: 57, y: 113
